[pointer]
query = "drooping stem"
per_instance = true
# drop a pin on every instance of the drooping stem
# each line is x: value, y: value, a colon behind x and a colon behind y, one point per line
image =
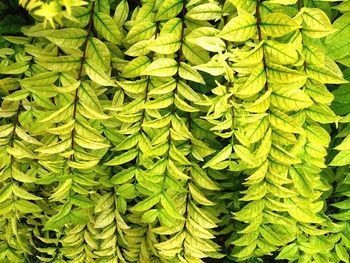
x: 177, y: 77
x: 300, y: 5
x: 86, y: 41
x: 82, y: 61
x: 258, y: 23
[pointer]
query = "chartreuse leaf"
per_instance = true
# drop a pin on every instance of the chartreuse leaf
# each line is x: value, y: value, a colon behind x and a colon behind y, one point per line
x: 289, y: 99
x: 99, y: 53
x: 141, y: 31
x: 165, y: 44
x: 240, y: 28
x: 316, y: 22
x: 221, y: 156
x: 280, y: 53
x: 55, y: 148
x: 282, y: 121
x: 281, y: 74
x: 344, y: 145
x: 244, y: 154
x: 341, y: 159
x: 67, y: 37
x: 59, y: 64
x: 123, y: 158
x: 17, y: 95
x: 136, y: 66
x: 169, y: 9
x: 24, y: 194
x: 209, y: 11
x: 254, y: 83
x: 147, y: 203
x: 26, y: 207
x: 106, y: 26
x: 170, y: 207
x: 97, y: 74
x: 121, y: 13
x: 15, y: 68
x: 188, y: 73
x: 162, y: 67
x: 248, y: 5
x: 278, y: 24
x: 283, y: 2
x: 324, y: 75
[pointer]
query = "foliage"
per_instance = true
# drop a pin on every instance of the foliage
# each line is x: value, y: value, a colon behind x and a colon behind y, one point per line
x: 174, y: 131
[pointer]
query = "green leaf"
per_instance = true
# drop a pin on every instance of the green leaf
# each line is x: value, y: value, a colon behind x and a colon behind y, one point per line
x: 248, y: 5
x: 282, y: 121
x: 5, y: 192
x: 81, y: 201
x: 150, y: 216
x: 67, y: 37
x: 280, y: 53
x: 161, y: 102
x: 188, y: 73
x: 106, y: 26
x: 341, y: 159
x: 102, y: 6
x: 96, y: 73
x: 17, y: 95
x: 89, y: 144
x: 194, y: 54
x: 121, y: 13
x: 15, y: 68
x: 166, y: 43
x: 244, y: 154
x: 141, y: 31
x: 240, y: 28
x: 344, y: 145
x: 60, y: 64
x: 123, y: 158
x: 55, y: 148
x: 98, y: 52
x: 221, y: 156
x: 136, y: 67
x: 182, y: 105
x: 317, y: 135
x: 288, y: 99
x: 24, y: 194
x: 289, y: 252
x: 322, y: 114
x: 302, y: 182
x: 254, y: 83
x: 342, y: 253
x: 209, y: 11
x: 41, y: 79
x: 89, y: 102
x: 124, y: 176
x: 170, y: 207
x: 337, y: 43
x: 198, y: 196
x: 324, y: 75
x: 162, y: 67
x: 169, y: 9
x: 281, y: 74
x: 147, y: 203
x: 316, y: 23
x: 60, y: 218
x: 26, y: 207
x: 277, y: 24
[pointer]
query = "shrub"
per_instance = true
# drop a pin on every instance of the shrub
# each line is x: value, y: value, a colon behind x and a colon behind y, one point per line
x: 174, y: 131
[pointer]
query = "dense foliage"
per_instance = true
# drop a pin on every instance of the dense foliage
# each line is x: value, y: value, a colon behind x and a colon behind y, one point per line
x: 174, y: 131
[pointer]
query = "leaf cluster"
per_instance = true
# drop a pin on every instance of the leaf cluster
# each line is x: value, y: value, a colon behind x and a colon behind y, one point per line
x: 175, y: 131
